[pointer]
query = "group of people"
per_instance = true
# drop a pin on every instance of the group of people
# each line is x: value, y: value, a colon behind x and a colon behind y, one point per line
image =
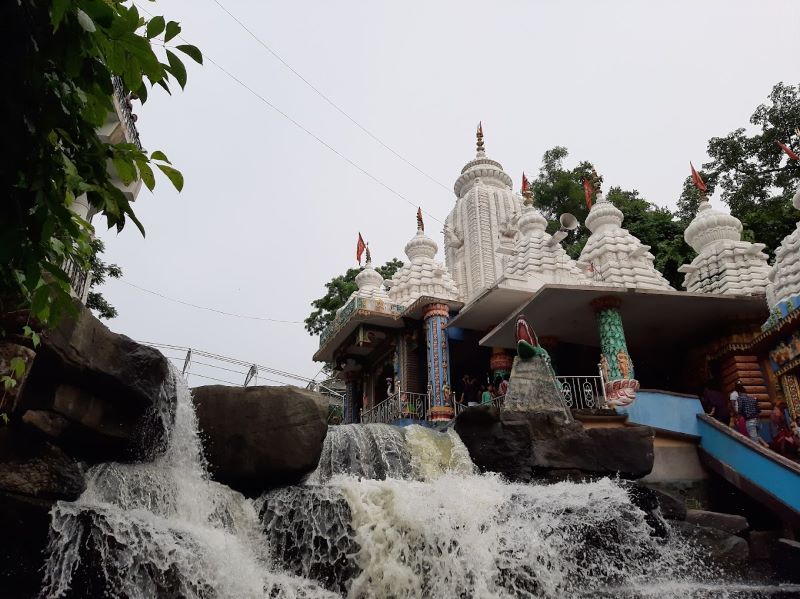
x: 740, y: 411
x: 475, y: 393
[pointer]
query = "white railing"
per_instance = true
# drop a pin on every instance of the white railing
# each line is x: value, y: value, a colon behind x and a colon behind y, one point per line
x: 583, y: 392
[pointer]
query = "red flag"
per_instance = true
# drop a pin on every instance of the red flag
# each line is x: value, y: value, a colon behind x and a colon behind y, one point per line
x: 360, y: 247
x: 587, y: 192
x: 420, y: 222
x: 792, y: 155
x: 698, y: 180
x: 525, y: 183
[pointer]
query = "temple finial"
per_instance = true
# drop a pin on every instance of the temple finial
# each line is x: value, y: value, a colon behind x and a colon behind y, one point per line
x: 420, y: 222
x: 368, y: 255
x: 527, y: 192
x: 479, y: 135
x: 597, y: 182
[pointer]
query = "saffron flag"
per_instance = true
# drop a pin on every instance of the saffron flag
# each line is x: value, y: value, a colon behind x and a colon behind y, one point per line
x: 587, y: 192
x: 420, y: 222
x: 525, y: 183
x: 360, y: 247
x: 791, y: 154
x: 698, y: 180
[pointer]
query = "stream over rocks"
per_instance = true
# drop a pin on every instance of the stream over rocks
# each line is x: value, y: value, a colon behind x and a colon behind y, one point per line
x: 389, y: 512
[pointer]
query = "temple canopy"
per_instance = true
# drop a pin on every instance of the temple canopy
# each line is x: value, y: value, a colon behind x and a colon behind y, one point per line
x: 653, y: 317
x: 613, y: 256
x: 724, y: 263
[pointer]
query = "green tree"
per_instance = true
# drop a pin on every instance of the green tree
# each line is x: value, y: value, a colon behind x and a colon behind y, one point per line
x: 558, y: 190
x: 339, y: 289
x: 99, y: 271
x: 756, y: 179
x: 61, y: 58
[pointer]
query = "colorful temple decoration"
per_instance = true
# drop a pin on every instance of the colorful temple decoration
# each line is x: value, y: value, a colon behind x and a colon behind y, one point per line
x: 612, y: 255
x: 436, y: 317
x: 724, y: 263
x: 500, y: 362
x: 615, y: 362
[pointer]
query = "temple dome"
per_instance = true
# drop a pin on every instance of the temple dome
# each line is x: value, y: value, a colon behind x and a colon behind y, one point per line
x: 481, y: 169
x: 370, y: 286
x: 537, y: 259
x: 422, y: 275
x: 784, y: 276
x: 613, y: 255
x: 724, y: 263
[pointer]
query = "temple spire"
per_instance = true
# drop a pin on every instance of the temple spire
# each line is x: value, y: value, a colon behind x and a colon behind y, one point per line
x: 479, y: 135
x: 420, y: 222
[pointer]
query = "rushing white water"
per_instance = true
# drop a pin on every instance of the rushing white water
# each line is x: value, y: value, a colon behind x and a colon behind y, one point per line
x: 163, y: 529
x: 389, y: 513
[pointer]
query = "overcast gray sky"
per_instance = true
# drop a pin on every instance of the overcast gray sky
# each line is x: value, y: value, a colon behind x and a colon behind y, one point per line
x: 268, y: 214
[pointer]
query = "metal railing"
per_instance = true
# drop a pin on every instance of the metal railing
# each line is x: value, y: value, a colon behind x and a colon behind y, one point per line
x: 126, y: 116
x: 79, y: 278
x: 399, y: 405
x: 583, y: 392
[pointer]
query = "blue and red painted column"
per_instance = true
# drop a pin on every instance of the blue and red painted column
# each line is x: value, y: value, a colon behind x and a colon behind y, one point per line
x: 436, y: 317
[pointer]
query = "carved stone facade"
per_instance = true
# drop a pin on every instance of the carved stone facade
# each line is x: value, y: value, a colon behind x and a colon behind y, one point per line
x: 481, y: 228
x: 724, y: 263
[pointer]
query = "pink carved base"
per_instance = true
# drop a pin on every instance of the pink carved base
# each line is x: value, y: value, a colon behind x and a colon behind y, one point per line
x: 621, y: 393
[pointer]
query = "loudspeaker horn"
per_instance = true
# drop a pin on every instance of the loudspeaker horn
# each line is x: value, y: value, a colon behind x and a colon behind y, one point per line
x: 568, y: 222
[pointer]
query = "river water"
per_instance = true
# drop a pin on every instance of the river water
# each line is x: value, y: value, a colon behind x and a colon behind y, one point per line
x: 389, y: 513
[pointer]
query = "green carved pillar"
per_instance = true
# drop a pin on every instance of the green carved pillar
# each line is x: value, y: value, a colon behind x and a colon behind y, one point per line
x: 616, y: 365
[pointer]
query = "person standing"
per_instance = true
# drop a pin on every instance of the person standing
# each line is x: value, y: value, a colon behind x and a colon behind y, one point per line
x: 748, y: 408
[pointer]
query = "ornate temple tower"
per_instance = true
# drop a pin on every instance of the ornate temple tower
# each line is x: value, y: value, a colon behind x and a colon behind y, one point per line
x: 724, y: 263
x: 538, y: 259
x: 784, y: 277
x: 423, y: 277
x: 480, y: 230
x: 612, y: 255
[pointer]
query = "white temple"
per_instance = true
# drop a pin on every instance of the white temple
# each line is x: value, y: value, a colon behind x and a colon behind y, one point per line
x: 613, y: 256
x: 724, y: 263
x: 538, y: 258
x: 422, y: 275
x: 481, y: 228
x: 784, y: 277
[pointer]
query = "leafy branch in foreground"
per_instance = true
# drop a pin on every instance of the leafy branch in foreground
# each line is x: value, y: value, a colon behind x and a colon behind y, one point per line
x: 64, y: 55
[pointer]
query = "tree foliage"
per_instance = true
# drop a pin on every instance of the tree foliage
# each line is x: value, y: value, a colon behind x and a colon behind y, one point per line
x: 339, y: 289
x: 756, y: 179
x: 99, y: 271
x: 62, y: 56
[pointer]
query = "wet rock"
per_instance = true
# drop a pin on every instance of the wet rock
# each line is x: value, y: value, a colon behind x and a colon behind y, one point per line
x: 762, y: 544
x: 730, y: 523
x: 259, y: 438
x: 34, y: 474
x: 787, y: 560
x: 729, y: 552
x: 672, y: 507
x: 116, y: 398
x: 525, y: 445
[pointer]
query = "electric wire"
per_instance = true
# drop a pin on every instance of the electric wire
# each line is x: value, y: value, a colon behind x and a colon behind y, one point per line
x: 327, y: 99
x: 310, y: 133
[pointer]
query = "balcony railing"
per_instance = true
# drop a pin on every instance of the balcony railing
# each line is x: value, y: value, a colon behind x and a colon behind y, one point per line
x: 79, y: 279
x: 583, y: 392
x: 126, y: 116
x: 399, y: 405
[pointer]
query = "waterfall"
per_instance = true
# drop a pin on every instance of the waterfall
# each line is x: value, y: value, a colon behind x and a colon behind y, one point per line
x: 163, y: 529
x: 389, y: 512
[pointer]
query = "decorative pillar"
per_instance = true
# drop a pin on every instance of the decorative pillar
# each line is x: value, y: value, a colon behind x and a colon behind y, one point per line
x: 500, y: 363
x: 615, y: 362
x: 351, y: 395
x: 436, y: 317
x: 791, y: 391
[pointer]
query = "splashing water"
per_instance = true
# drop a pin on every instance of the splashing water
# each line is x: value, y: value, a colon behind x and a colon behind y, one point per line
x: 163, y: 529
x: 389, y: 513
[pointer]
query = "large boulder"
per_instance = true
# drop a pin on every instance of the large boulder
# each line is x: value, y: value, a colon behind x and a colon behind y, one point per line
x: 99, y: 395
x: 524, y: 446
x: 730, y: 523
x: 259, y: 438
x: 34, y: 474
